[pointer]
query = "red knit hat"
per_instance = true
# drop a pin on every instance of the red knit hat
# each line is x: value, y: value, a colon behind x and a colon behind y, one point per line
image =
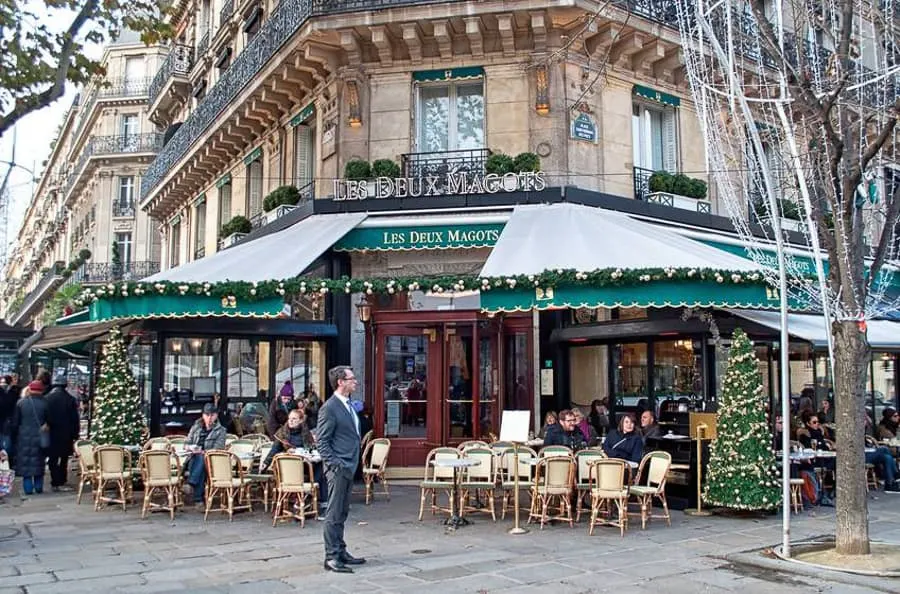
x: 36, y: 387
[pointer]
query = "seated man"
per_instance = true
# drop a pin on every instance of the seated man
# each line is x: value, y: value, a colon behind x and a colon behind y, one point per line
x: 207, y: 434
x: 649, y: 426
x: 565, y: 433
x: 883, y: 459
x: 295, y: 434
x: 887, y: 428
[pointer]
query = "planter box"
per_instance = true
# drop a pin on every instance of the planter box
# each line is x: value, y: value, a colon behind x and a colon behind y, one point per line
x: 278, y: 212
x: 678, y: 201
x: 232, y: 239
x: 791, y: 224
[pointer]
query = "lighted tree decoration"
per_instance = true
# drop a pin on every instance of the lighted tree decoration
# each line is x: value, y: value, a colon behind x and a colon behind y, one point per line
x: 742, y: 473
x: 117, y: 417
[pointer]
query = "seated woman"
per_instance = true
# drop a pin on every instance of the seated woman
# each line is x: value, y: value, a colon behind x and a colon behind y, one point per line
x: 549, y: 419
x: 887, y: 428
x: 811, y: 436
x: 295, y: 434
x: 624, y: 442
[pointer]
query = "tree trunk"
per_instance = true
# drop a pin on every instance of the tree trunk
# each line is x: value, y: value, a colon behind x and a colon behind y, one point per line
x: 851, y: 355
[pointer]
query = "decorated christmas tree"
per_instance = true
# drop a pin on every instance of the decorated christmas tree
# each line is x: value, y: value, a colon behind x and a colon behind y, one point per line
x: 117, y: 417
x: 742, y: 473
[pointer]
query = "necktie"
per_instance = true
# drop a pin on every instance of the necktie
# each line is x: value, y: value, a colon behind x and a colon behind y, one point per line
x: 353, y: 414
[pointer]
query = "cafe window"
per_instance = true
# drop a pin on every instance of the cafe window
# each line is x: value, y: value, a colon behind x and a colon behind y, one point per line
x: 302, y: 364
x: 881, y: 390
x: 248, y: 370
x: 192, y: 369
x: 677, y: 370
x: 589, y: 374
x: 629, y: 374
x: 451, y: 116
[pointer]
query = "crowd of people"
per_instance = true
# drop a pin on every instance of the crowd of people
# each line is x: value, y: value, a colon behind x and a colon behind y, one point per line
x: 39, y: 425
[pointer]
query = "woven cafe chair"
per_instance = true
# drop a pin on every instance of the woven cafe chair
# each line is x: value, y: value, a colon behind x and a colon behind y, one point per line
x: 583, y: 461
x: 553, y: 479
x: 156, y: 472
x: 157, y: 443
x: 261, y: 481
x: 264, y: 451
x: 246, y: 450
x: 113, y: 467
x: 226, y: 478
x: 606, y: 479
x: 656, y: 465
x: 555, y: 450
x: 437, y: 479
x: 374, y: 463
x: 87, y: 468
x: 177, y: 441
x: 472, y: 443
x: 230, y: 437
x: 294, y: 484
x: 260, y: 438
x: 370, y: 434
x: 508, y: 476
x: 478, y: 479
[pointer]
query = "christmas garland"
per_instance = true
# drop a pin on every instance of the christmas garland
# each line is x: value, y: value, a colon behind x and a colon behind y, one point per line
x: 254, y: 291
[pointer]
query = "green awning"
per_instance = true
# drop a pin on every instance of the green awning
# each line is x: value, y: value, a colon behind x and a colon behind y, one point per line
x: 184, y: 306
x: 305, y: 113
x: 448, y: 74
x: 440, y: 237
x: 225, y: 179
x: 253, y: 155
x: 654, y: 95
x: 656, y: 294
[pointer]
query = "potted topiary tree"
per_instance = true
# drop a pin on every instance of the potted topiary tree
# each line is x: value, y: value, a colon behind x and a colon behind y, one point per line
x: 357, y: 170
x: 526, y: 162
x: 499, y: 164
x: 280, y: 201
x: 233, y: 230
x: 385, y: 168
x: 678, y: 191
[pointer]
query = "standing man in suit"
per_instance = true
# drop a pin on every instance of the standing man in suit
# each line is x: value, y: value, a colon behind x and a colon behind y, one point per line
x: 338, y: 437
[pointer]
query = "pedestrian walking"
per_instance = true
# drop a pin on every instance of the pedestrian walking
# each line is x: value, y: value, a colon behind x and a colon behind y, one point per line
x: 62, y: 417
x: 32, y: 438
x: 338, y: 437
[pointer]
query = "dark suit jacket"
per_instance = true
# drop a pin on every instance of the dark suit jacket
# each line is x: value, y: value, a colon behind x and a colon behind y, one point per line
x: 338, y: 441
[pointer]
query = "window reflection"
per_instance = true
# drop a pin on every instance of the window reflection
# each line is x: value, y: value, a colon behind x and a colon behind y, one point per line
x: 630, y: 373
x: 244, y: 373
x: 192, y: 369
x: 302, y: 364
x: 405, y: 380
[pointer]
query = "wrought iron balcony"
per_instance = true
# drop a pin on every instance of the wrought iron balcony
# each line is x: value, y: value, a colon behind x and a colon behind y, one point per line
x: 44, y: 289
x: 202, y: 46
x: 107, y: 272
x: 439, y: 164
x: 641, y: 182
x: 122, y: 208
x: 199, y: 253
x: 226, y: 12
x: 177, y: 63
x: 130, y: 143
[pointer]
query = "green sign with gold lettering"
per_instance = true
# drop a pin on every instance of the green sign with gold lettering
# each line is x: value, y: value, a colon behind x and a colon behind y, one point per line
x: 439, y: 237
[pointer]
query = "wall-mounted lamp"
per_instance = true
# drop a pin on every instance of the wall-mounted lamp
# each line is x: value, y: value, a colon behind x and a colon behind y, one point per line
x: 176, y: 346
x: 542, y: 84
x: 354, y: 118
x: 364, y: 310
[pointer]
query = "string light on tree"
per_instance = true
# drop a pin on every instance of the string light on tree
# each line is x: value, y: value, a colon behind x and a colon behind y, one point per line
x: 117, y: 405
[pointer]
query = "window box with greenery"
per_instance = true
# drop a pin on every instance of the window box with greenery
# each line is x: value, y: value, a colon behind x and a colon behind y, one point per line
x: 280, y: 201
x: 501, y: 164
x: 233, y: 230
x: 791, y: 215
x: 358, y: 170
x: 677, y: 190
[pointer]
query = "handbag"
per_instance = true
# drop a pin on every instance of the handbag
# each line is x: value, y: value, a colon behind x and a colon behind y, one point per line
x: 44, y: 429
x: 6, y: 480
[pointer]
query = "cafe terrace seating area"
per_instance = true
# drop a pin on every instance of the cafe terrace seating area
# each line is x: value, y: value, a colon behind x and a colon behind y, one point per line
x: 237, y: 480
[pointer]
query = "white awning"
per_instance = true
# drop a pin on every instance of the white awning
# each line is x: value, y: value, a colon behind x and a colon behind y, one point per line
x: 882, y: 334
x: 281, y: 255
x: 541, y: 237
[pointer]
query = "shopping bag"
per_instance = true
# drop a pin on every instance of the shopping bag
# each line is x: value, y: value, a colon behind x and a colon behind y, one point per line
x: 6, y: 481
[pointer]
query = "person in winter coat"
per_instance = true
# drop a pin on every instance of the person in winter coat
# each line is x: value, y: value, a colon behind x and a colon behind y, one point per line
x: 206, y: 434
x: 29, y: 420
x: 624, y: 442
x: 9, y: 396
x: 62, y: 417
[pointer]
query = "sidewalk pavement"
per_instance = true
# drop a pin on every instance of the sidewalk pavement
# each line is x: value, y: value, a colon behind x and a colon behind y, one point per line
x: 49, y: 545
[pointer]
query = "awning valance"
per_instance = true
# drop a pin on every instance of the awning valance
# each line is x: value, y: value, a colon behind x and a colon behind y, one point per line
x: 277, y: 256
x: 186, y: 306
x: 654, y: 95
x: 448, y: 74
x: 570, y: 236
x: 438, y: 237
x: 881, y: 334
x: 51, y: 337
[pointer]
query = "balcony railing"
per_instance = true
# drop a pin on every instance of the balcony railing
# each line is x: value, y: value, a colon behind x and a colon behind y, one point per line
x: 199, y: 253
x: 226, y: 12
x: 178, y: 62
x: 641, y: 182
x: 202, y: 46
x: 439, y: 164
x: 112, y: 88
x: 130, y: 143
x: 107, y: 272
x: 48, y: 283
x: 123, y: 208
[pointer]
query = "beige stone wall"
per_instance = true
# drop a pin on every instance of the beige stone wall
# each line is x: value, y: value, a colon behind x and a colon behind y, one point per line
x: 507, y: 108
x: 391, y: 112
x: 616, y: 147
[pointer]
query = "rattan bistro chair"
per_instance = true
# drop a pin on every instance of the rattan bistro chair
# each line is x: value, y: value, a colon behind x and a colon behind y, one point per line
x: 294, y: 482
x: 555, y: 450
x: 374, y: 461
x: 472, y: 443
x: 553, y: 484
x: 156, y: 472
x: 87, y: 468
x: 113, y: 465
x: 583, y: 461
x: 437, y: 479
x: 657, y: 465
x: 157, y: 443
x: 478, y: 479
x: 225, y: 478
x: 606, y: 478
x: 508, y: 476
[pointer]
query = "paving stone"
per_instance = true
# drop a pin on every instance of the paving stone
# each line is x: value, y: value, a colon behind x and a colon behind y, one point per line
x: 104, y: 584
x: 26, y: 580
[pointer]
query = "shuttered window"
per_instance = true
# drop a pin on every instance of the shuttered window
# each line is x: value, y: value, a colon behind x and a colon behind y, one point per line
x: 254, y: 188
x: 303, y: 155
x: 655, y: 137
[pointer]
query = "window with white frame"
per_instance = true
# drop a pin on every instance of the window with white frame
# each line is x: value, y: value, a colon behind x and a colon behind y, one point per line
x: 175, y: 245
x: 304, y: 155
x: 200, y: 230
x: 123, y: 241
x: 130, y: 125
x: 224, y: 203
x: 124, y: 205
x: 254, y: 187
x: 450, y: 116
x: 654, y: 133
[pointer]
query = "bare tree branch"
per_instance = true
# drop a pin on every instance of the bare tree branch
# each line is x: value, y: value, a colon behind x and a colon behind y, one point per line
x: 888, y: 235
x: 26, y: 105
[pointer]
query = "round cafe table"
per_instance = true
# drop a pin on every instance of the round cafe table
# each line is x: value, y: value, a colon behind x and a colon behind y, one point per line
x: 455, y: 520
